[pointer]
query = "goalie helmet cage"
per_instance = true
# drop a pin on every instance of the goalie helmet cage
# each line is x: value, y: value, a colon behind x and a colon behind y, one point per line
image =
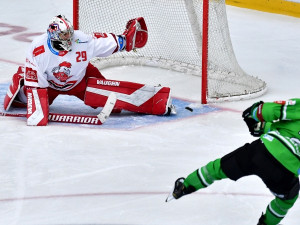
x: 189, y: 36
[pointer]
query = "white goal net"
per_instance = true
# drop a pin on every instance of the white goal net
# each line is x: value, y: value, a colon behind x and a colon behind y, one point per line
x: 175, y: 41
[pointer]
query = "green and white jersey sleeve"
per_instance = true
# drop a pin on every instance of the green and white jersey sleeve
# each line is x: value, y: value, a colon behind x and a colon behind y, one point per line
x: 282, y: 132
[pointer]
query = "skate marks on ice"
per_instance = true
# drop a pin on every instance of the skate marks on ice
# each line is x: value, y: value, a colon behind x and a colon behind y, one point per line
x: 125, y: 120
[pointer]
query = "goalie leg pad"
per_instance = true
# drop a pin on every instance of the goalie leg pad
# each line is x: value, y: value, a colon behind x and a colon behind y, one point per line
x: 92, y: 71
x: 37, y: 107
x: 14, y: 88
x: 131, y: 96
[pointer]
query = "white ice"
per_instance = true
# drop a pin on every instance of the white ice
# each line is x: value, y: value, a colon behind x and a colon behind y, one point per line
x: 70, y: 175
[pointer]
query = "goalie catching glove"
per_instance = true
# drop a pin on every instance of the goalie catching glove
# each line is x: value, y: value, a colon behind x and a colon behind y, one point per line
x: 254, y: 120
x: 136, y: 34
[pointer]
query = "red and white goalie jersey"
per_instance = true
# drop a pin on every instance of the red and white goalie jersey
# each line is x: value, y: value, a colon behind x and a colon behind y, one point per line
x: 63, y: 70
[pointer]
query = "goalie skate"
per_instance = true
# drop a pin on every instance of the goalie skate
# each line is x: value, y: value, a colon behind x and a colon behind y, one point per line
x: 171, y: 110
x: 177, y: 191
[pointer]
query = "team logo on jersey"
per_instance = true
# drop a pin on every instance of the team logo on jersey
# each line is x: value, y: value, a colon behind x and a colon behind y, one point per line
x: 62, y: 71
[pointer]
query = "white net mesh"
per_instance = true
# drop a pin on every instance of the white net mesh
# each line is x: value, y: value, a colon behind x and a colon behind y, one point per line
x: 175, y: 41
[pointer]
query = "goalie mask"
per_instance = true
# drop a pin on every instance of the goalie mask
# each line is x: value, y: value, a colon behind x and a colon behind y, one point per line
x: 60, y: 33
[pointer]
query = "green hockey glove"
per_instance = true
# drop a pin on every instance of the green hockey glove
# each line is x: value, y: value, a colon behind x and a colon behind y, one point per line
x: 255, y: 127
x: 258, y: 129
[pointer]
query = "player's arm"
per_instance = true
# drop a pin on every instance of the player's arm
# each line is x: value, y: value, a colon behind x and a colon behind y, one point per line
x: 135, y: 36
x: 280, y: 110
x: 273, y: 111
x: 260, y: 116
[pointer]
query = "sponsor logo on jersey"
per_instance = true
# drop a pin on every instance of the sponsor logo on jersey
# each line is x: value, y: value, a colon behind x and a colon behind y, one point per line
x: 289, y: 102
x: 62, y: 71
x: 268, y: 137
x: 31, y: 75
x: 280, y: 102
x: 100, y: 35
x: 292, y: 102
x: 108, y: 82
x: 80, y: 42
x: 62, y: 53
x: 38, y: 50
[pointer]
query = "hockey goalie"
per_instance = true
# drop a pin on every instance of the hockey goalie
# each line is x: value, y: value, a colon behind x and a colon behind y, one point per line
x: 58, y: 63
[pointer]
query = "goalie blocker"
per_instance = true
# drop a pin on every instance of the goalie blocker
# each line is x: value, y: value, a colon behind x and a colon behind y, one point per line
x: 134, y: 97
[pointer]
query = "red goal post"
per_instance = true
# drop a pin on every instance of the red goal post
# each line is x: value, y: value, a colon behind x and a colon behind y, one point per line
x: 189, y: 36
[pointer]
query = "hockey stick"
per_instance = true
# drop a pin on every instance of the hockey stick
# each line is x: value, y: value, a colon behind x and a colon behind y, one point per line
x: 78, y: 119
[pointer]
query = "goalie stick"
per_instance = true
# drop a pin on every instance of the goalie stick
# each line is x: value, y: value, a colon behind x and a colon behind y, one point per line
x: 78, y: 119
x: 109, y: 106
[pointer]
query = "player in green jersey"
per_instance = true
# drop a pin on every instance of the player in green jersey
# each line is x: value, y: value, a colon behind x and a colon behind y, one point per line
x: 274, y: 157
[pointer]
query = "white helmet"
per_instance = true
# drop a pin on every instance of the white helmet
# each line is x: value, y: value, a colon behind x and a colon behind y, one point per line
x: 60, y: 32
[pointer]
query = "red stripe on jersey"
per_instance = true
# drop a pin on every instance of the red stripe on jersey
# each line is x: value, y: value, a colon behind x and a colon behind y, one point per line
x: 38, y: 50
